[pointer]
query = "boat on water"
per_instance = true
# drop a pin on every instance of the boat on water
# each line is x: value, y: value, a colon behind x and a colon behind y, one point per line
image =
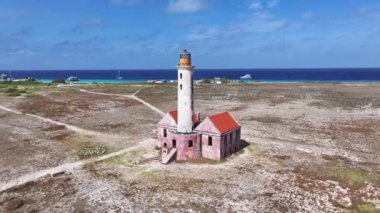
x: 247, y: 76
x: 4, y: 77
x: 118, y: 76
x: 72, y: 78
x: 156, y: 81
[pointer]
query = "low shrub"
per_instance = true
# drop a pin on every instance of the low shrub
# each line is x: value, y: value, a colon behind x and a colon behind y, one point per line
x: 366, y: 208
x: 225, y: 80
x: 11, y: 90
x: 206, y: 81
x: 266, y: 119
x: 58, y: 81
x: 89, y: 152
x: 346, y: 176
x: 14, y: 94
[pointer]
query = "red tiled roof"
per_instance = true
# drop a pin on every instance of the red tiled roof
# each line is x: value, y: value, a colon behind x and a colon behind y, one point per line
x: 174, y: 115
x: 224, y: 122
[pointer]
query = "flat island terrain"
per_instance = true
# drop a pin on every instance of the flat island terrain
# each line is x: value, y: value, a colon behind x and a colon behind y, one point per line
x: 307, y: 147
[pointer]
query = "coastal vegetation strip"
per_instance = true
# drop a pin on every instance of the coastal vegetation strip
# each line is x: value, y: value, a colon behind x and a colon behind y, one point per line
x: 19, y: 88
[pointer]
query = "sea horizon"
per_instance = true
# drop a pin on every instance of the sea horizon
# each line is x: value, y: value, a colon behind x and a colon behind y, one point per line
x: 269, y: 75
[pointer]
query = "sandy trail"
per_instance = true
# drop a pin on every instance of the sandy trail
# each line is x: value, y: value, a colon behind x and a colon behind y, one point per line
x: 71, y: 166
x: 133, y: 96
x: 67, y: 167
x: 68, y: 126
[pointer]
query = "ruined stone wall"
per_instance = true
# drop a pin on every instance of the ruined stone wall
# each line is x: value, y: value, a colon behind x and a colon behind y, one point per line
x: 211, y: 151
x: 184, y: 151
x: 230, y: 143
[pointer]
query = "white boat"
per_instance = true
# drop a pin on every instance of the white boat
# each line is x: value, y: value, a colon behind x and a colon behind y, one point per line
x: 160, y: 81
x: 156, y: 81
x: 4, y: 77
x: 118, y: 76
x: 72, y: 78
x: 247, y: 76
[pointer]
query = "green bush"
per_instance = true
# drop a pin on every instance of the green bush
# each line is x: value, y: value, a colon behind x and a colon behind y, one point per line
x: 366, y: 208
x: 11, y: 90
x: 11, y: 86
x: 225, y: 80
x: 14, y: 91
x: 206, y: 81
x: 24, y: 83
x: 346, y: 176
x: 29, y: 94
x: 14, y: 94
x: 58, y: 81
x: 89, y: 152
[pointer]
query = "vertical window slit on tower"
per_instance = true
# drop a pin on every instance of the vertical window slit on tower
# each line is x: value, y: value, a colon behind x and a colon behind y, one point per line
x: 180, y: 75
x: 180, y: 86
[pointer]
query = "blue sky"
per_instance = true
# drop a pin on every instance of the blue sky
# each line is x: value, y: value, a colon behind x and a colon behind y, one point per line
x: 129, y: 34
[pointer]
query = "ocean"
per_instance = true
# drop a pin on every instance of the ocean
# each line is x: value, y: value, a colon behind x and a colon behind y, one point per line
x: 262, y: 75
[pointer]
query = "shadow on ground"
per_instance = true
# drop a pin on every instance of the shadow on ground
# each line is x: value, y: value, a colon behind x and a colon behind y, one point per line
x: 244, y: 144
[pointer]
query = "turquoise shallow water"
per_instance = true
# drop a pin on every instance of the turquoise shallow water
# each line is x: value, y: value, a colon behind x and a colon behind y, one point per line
x: 137, y: 81
x: 103, y: 81
x: 262, y: 75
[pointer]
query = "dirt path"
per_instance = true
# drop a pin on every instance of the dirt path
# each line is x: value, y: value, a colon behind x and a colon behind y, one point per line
x: 67, y: 167
x: 71, y: 166
x: 70, y: 127
x: 133, y: 96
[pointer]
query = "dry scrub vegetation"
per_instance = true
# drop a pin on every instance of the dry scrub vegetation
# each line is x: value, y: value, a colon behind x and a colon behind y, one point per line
x: 309, y: 148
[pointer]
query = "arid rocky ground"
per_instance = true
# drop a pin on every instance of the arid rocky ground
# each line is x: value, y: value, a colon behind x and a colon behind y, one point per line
x: 311, y: 148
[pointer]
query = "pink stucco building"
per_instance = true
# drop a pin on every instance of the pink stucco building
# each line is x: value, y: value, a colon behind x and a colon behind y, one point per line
x: 181, y: 133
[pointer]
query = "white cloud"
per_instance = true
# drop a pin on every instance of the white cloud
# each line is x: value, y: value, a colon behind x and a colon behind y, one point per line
x: 368, y: 11
x: 89, y: 24
x: 262, y: 4
x: 124, y: 2
x: 364, y: 10
x: 307, y: 15
x: 255, y: 5
x: 272, y: 3
x: 265, y: 22
x: 23, y: 53
x: 259, y: 20
x: 185, y: 6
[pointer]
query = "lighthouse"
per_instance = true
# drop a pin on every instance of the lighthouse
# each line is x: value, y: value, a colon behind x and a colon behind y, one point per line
x: 181, y: 133
x: 185, y: 93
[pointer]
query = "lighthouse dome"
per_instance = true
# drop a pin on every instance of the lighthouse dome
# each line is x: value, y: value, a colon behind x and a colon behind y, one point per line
x: 185, y: 58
